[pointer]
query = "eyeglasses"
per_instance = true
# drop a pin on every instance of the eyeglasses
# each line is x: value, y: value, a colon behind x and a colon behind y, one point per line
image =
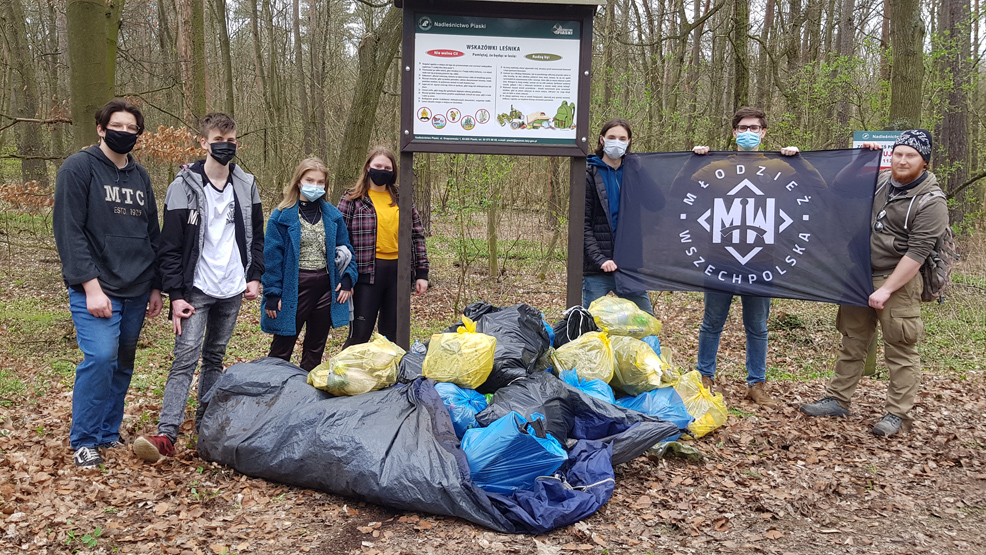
x: 123, y: 127
x: 878, y: 225
x: 754, y: 128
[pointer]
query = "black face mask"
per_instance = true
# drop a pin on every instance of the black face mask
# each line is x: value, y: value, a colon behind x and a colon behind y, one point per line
x: 120, y: 142
x: 381, y: 177
x: 222, y: 152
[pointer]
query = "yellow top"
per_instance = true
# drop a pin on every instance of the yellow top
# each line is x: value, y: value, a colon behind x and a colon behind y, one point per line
x: 387, y: 218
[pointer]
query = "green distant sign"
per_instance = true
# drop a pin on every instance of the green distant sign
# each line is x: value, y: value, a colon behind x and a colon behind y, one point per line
x: 885, y: 138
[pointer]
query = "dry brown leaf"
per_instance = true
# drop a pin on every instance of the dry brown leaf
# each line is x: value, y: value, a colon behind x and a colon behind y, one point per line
x: 773, y: 534
x: 218, y: 548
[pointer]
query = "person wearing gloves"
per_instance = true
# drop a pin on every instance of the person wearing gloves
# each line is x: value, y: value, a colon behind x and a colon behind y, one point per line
x: 212, y: 257
x: 603, y: 179
x: 309, y: 267
x: 106, y: 232
x: 370, y: 211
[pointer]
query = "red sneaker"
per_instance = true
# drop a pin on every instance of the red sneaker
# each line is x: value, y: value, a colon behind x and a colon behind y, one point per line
x: 154, y: 448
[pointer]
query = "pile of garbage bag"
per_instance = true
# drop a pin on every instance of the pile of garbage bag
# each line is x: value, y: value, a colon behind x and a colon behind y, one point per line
x: 414, y: 431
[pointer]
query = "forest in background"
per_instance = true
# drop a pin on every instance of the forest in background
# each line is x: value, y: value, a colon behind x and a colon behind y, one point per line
x: 319, y: 78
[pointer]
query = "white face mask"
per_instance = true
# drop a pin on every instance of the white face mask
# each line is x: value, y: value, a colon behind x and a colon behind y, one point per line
x: 615, y: 148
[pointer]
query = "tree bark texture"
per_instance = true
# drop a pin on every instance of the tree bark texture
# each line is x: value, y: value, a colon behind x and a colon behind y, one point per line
x: 907, y: 69
x: 87, y: 67
x: 24, y: 99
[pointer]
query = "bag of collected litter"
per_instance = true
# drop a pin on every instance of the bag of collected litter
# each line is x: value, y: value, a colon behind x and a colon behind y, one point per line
x: 617, y: 316
x: 664, y: 403
x: 462, y: 405
x: 572, y: 416
x: 574, y: 322
x: 520, y: 341
x: 638, y: 368
x: 654, y: 343
x: 708, y: 410
x: 409, y: 368
x: 358, y: 369
x: 590, y: 355
x: 511, y: 453
x: 597, y: 388
x: 464, y: 358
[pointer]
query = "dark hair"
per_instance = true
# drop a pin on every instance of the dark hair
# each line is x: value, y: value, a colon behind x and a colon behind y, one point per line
x: 362, y: 186
x: 104, y: 114
x: 216, y: 120
x: 615, y: 122
x: 750, y: 112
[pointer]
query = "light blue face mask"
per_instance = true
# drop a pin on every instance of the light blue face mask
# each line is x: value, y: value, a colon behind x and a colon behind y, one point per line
x: 748, y: 140
x: 615, y: 148
x: 312, y: 192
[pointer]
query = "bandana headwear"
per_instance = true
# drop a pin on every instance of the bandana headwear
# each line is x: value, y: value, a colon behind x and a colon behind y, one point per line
x: 918, y: 139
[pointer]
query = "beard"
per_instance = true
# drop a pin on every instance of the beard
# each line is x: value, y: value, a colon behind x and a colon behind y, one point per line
x: 906, y: 176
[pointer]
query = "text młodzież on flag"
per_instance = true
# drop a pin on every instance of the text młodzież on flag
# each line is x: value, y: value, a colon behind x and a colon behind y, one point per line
x: 748, y: 223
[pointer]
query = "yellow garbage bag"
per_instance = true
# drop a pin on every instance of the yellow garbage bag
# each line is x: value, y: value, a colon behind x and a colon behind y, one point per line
x: 590, y: 355
x: 617, y: 316
x: 708, y: 410
x: 359, y: 369
x: 464, y: 358
x: 638, y: 368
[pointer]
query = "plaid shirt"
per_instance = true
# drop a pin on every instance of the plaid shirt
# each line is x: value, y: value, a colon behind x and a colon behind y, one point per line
x: 361, y: 221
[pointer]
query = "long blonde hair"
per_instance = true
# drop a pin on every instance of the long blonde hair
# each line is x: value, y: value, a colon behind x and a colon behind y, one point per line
x: 362, y: 186
x: 291, y: 191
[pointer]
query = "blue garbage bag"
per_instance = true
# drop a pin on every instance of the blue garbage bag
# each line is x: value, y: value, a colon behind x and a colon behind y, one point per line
x: 511, y: 453
x: 597, y: 388
x: 654, y: 343
x: 664, y: 403
x: 462, y: 405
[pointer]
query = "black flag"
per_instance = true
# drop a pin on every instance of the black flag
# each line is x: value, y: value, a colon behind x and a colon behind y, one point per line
x: 748, y: 223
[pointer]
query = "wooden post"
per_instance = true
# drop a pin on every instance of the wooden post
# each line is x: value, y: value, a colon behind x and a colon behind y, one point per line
x: 576, y: 221
x: 405, y: 282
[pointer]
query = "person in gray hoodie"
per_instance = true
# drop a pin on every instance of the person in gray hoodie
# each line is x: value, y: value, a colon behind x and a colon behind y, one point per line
x: 106, y: 232
x: 212, y: 257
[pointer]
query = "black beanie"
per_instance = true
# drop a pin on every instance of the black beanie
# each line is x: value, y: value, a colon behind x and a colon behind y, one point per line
x: 918, y: 139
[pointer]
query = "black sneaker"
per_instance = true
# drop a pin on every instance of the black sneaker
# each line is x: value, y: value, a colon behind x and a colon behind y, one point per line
x: 888, y: 425
x: 87, y: 457
x: 826, y: 406
x: 109, y: 445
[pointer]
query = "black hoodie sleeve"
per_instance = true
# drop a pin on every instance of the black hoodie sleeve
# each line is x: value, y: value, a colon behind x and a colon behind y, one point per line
x: 256, y: 269
x: 172, y: 241
x: 69, y: 220
x: 153, y: 228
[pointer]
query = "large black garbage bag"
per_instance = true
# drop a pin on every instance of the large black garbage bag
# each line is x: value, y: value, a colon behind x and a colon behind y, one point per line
x: 520, y: 341
x: 395, y: 447
x: 572, y: 415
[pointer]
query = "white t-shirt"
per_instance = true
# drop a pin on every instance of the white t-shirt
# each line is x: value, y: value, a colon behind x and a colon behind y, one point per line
x: 219, y: 272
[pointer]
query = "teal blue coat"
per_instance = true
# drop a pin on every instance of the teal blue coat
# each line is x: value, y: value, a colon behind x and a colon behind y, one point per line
x: 282, y: 243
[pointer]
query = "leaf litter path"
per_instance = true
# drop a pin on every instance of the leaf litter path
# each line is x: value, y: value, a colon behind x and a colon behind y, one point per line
x: 773, y: 482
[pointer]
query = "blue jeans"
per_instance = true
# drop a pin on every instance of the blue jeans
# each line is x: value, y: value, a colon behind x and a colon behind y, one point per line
x: 108, y: 346
x: 755, y: 313
x: 598, y: 285
x: 214, y: 320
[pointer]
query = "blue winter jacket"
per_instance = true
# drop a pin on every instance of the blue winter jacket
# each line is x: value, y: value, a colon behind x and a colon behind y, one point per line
x: 282, y: 244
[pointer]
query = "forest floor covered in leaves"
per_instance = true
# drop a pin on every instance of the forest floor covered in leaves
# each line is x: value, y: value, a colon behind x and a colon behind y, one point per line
x: 773, y: 481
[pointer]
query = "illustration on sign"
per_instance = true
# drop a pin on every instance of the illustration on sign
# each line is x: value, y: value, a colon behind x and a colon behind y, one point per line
x: 524, y: 73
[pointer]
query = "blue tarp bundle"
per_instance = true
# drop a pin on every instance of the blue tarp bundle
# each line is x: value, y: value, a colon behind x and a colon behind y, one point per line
x: 397, y: 448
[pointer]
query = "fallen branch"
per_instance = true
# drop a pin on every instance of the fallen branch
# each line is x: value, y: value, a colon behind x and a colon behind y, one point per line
x: 15, y: 121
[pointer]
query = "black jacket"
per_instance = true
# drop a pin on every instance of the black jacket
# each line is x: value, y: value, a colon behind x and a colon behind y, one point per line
x: 598, y: 235
x: 105, y: 223
x: 182, y: 236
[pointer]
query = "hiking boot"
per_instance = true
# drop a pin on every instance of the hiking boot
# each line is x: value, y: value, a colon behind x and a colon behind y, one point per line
x: 758, y: 394
x: 87, y: 457
x: 154, y: 448
x: 888, y: 425
x: 708, y: 382
x: 826, y: 406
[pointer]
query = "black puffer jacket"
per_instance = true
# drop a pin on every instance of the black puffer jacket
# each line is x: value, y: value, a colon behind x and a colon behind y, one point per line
x: 597, y: 231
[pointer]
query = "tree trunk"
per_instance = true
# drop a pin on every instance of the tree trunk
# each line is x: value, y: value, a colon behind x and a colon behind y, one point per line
x: 885, y: 42
x: 907, y: 70
x: 24, y: 99
x: 302, y: 82
x: 87, y: 67
x: 376, y: 51
x: 953, y: 137
x: 741, y: 54
x: 114, y: 19
x: 224, y: 52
